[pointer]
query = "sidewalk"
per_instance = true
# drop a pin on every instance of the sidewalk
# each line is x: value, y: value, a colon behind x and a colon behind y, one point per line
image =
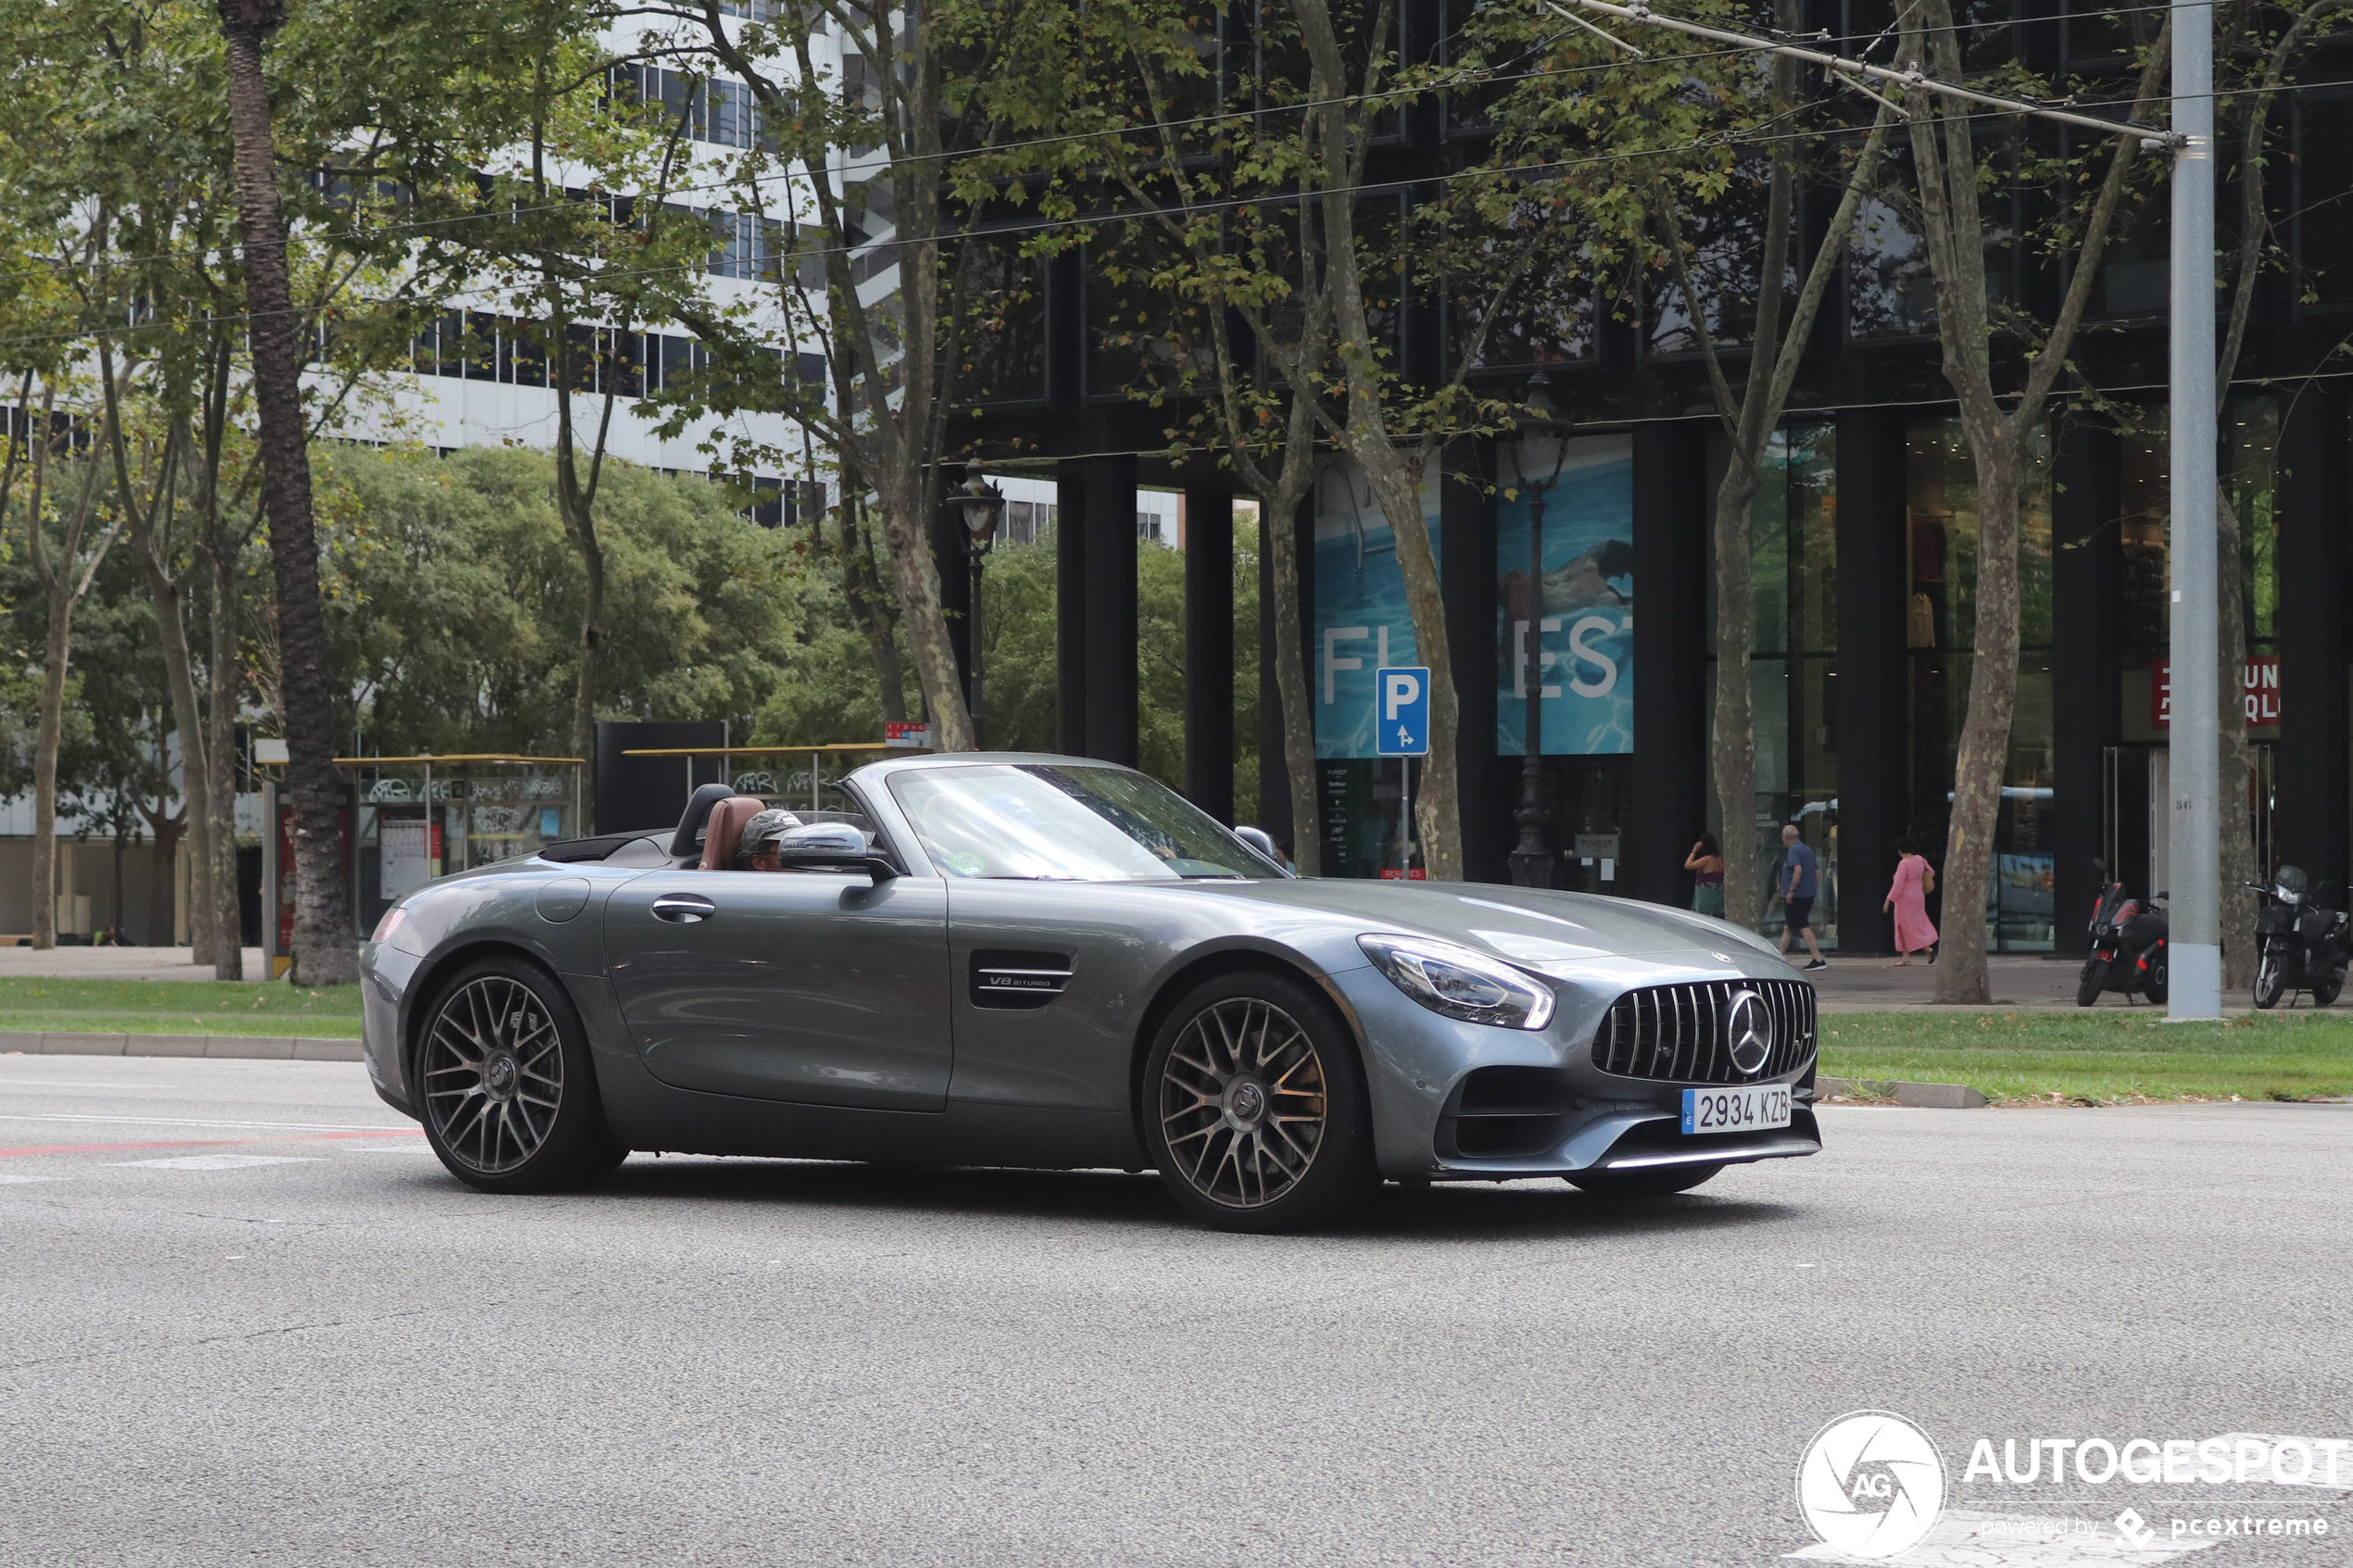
x: 2020, y: 981
x: 112, y: 963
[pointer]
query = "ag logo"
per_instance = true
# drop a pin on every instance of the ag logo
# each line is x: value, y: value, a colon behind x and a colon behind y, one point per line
x: 1870, y: 1485
x: 1748, y: 1031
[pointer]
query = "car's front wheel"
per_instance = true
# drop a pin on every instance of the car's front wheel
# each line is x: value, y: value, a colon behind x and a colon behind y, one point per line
x: 1660, y: 1180
x: 507, y: 1090
x: 1255, y: 1106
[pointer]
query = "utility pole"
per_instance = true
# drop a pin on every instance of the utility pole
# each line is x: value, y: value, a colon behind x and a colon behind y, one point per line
x: 2194, y: 827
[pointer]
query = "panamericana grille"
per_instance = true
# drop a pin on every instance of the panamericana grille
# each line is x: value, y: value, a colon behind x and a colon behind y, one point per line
x: 1676, y: 1032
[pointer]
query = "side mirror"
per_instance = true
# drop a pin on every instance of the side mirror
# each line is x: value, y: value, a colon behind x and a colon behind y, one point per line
x: 831, y: 847
x: 1261, y: 841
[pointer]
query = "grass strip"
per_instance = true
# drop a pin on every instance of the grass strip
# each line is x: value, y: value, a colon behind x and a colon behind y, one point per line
x: 2097, y: 1057
x: 179, y: 1007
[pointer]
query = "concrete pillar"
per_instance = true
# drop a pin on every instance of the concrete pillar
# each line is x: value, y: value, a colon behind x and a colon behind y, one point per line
x: 1467, y: 570
x: 1070, y: 607
x: 2087, y: 690
x: 1110, y: 611
x: 951, y: 548
x: 1671, y: 642
x: 1874, y: 772
x: 1209, y: 651
x: 2310, y: 813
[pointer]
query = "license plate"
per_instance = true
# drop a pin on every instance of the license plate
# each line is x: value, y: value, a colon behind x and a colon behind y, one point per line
x: 1736, y: 1111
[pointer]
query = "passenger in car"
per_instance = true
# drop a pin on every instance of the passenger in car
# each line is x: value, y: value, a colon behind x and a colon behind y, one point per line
x: 757, y: 849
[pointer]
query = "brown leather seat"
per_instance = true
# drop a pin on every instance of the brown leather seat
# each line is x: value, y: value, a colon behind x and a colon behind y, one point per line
x: 726, y: 830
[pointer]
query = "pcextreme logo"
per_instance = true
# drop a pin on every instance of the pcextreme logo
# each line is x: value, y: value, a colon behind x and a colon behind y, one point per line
x: 1872, y: 1483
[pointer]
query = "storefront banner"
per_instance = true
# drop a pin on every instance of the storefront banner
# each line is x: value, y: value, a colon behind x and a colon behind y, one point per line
x: 1586, y: 627
x: 2260, y: 681
x: 1361, y: 623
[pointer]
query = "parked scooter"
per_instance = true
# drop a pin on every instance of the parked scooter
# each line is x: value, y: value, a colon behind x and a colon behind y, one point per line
x: 2304, y: 947
x: 2128, y: 951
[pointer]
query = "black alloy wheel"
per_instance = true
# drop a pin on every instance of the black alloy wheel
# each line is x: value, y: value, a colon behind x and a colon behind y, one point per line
x: 2095, y: 981
x: 1255, y: 1106
x: 1657, y: 1181
x: 506, y: 1086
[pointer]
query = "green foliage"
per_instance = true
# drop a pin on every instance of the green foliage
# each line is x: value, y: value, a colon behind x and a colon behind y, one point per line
x: 454, y: 599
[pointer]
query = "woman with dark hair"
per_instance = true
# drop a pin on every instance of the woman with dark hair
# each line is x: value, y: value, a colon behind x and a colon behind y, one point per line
x: 1705, y: 862
x: 1907, y: 901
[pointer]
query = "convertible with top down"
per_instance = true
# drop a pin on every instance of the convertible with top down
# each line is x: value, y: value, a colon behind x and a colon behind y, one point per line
x: 1028, y: 960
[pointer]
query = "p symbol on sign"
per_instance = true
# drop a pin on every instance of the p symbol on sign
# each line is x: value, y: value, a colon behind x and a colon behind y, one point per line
x: 1400, y: 712
x: 1398, y: 688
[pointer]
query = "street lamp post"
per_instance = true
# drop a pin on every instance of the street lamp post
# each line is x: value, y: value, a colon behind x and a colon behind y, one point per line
x: 984, y: 504
x: 1531, y: 860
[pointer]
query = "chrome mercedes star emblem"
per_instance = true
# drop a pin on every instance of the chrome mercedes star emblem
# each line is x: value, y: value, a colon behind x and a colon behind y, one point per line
x: 1249, y: 1101
x: 1748, y: 1030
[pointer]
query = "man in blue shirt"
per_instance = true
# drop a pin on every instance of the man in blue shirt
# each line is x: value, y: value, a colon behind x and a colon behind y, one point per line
x: 1800, y: 880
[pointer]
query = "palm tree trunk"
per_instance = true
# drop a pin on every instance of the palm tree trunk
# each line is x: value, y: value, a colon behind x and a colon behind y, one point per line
x: 48, y: 734
x: 221, y: 760
x: 325, y: 949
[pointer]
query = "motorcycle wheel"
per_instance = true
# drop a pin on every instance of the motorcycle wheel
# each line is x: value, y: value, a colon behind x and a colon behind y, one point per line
x: 2325, y: 994
x: 2271, y: 979
x: 2095, y: 981
x: 2158, y: 987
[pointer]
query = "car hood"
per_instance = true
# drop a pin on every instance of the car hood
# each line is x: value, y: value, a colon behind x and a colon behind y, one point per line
x: 1533, y: 928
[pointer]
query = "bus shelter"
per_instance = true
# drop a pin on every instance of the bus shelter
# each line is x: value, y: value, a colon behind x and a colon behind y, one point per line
x: 794, y: 776
x: 407, y: 819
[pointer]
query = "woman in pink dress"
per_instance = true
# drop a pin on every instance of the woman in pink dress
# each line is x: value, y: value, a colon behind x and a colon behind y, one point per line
x: 1907, y: 899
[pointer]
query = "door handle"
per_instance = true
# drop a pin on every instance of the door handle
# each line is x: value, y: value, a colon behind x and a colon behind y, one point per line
x: 683, y: 909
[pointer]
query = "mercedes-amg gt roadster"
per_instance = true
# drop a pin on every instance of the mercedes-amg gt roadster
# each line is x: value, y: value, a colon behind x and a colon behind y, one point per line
x: 1010, y: 960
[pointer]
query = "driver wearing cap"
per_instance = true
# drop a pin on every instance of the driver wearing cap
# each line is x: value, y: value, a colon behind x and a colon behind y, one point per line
x: 757, y: 849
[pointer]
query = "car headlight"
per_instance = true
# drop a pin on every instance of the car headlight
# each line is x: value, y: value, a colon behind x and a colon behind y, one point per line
x: 1460, y: 981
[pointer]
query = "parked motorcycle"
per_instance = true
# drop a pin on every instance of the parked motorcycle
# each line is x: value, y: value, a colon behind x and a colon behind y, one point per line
x: 2128, y: 951
x: 2304, y: 947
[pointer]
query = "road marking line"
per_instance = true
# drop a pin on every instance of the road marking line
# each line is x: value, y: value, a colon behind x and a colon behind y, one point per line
x: 199, y: 1143
x: 219, y: 1161
x: 204, y: 1122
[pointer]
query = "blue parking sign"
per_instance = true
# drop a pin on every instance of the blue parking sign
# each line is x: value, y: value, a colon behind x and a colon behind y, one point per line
x: 1401, y: 717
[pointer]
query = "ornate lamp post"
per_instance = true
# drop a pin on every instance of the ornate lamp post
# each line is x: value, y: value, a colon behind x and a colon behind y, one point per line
x: 983, y: 503
x: 1531, y: 859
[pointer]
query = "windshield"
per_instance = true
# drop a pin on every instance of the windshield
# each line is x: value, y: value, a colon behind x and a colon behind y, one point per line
x: 1065, y: 824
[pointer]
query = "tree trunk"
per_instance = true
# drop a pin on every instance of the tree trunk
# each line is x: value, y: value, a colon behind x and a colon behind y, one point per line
x: 171, y: 627
x: 162, y: 907
x: 906, y: 508
x: 47, y: 736
x: 1983, y: 755
x: 2238, y: 829
x: 863, y: 586
x: 1279, y: 531
x: 1437, y: 813
x: 326, y: 952
x: 220, y: 759
x: 577, y: 504
x: 1733, y: 742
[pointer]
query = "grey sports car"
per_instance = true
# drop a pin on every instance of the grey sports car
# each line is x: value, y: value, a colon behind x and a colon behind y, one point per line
x: 1015, y: 960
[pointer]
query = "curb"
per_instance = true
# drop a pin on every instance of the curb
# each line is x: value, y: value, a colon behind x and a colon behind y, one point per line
x: 219, y: 1047
x: 1928, y: 1096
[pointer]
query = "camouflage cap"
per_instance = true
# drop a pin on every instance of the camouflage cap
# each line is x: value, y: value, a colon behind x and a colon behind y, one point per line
x: 773, y: 823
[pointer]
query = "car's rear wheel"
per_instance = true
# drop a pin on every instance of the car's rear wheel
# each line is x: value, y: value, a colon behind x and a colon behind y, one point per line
x: 506, y: 1084
x: 1255, y: 1106
x: 1659, y: 1181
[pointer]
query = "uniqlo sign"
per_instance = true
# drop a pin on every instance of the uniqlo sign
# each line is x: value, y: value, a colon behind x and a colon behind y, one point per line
x: 2261, y: 681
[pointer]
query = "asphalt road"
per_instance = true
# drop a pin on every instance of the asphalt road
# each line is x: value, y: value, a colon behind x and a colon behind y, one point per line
x: 342, y: 1357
